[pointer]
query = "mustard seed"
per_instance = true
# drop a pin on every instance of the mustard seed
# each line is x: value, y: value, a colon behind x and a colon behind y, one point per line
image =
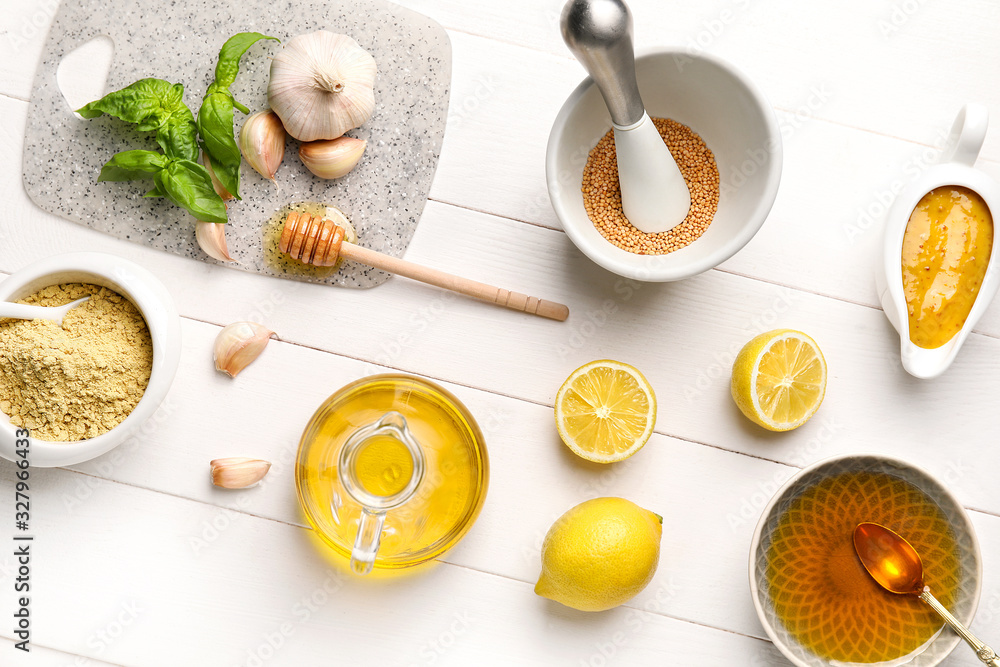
x: 602, y: 195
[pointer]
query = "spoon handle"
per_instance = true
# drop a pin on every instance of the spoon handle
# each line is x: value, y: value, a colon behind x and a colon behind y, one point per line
x: 22, y: 311
x: 985, y: 653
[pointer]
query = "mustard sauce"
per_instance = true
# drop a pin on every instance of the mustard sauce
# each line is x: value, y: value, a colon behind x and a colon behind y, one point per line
x: 946, y: 249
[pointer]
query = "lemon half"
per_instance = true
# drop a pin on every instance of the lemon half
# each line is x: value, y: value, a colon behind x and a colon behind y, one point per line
x: 779, y: 379
x: 605, y: 411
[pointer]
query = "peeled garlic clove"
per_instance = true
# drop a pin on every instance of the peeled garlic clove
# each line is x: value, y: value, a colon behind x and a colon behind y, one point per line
x: 238, y: 344
x: 211, y: 236
x: 322, y: 85
x: 238, y: 473
x: 262, y: 142
x: 333, y: 158
x: 220, y: 189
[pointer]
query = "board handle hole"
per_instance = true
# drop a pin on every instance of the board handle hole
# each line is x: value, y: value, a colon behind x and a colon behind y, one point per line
x: 82, y: 74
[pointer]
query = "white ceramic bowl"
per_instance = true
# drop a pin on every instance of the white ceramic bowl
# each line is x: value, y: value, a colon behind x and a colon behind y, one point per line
x: 733, y: 118
x: 969, y: 555
x: 154, y: 302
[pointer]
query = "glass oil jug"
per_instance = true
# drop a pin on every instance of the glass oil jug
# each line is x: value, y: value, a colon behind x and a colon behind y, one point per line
x: 392, y: 471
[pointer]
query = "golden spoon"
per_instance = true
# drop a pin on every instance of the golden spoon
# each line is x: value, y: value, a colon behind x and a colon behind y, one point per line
x: 895, y: 565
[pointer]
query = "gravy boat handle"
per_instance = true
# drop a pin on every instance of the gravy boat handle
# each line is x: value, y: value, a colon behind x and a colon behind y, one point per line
x: 967, y: 135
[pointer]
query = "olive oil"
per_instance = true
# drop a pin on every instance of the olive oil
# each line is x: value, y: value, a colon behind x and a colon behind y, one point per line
x: 384, y: 466
x: 821, y: 591
x: 450, y: 492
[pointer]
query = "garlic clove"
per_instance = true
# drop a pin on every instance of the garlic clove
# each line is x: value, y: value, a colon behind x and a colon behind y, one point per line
x: 237, y: 472
x: 333, y: 158
x: 211, y: 236
x: 322, y: 85
x: 220, y: 189
x: 262, y: 142
x: 238, y: 344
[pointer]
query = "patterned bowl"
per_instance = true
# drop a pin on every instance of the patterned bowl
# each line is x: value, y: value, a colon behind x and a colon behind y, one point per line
x: 803, y: 493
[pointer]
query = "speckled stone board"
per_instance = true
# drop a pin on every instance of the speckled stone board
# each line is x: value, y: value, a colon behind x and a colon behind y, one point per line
x: 179, y: 41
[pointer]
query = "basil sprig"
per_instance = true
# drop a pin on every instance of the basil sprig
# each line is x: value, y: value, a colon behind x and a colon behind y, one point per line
x: 215, y: 119
x: 155, y: 105
x: 158, y: 105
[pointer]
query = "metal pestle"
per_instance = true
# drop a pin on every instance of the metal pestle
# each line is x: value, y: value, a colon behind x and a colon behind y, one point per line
x: 655, y: 197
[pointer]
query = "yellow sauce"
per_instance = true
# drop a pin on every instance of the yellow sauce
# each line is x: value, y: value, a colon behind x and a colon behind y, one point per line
x: 946, y: 249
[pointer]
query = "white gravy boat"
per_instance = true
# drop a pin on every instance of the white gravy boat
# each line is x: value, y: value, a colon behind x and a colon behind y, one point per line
x: 955, y: 167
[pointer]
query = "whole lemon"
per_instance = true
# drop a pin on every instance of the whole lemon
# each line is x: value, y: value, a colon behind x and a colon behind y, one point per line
x: 600, y: 554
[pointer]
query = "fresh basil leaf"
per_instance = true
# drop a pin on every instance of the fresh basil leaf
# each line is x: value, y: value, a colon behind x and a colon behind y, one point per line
x: 145, y: 102
x: 152, y: 104
x: 155, y: 192
x: 178, y: 137
x: 230, y: 54
x: 133, y: 165
x: 215, y: 125
x: 188, y: 185
x: 215, y: 118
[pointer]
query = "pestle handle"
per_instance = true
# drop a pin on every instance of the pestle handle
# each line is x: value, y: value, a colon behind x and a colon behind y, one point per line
x: 478, y: 290
x: 599, y: 33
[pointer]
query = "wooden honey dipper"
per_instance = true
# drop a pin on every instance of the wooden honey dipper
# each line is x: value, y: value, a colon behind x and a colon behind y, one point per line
x: 319, y: 241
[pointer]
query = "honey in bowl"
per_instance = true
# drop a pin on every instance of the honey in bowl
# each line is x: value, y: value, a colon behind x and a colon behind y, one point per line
x: 820, y: 590
x: 946, y: 250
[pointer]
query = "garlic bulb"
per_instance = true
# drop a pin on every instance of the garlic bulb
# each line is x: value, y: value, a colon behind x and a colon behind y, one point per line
x: 211, y: 236
x: 238, y: 344
x: 262, y: 142
x: 322, y: 85
x: 333, y: 158
x: 238, y: 472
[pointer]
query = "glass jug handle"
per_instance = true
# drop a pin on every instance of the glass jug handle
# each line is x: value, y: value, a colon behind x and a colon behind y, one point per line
x: 367, y: 542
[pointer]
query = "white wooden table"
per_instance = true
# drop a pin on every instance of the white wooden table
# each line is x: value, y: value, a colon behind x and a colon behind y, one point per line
x: 139, y: 561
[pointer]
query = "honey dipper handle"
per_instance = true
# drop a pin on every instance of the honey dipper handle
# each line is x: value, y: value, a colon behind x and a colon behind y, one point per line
x: 502, y: 297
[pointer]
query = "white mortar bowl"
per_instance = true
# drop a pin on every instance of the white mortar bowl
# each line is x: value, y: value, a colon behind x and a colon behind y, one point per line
x: 733, y: 118
x: 154, y: 302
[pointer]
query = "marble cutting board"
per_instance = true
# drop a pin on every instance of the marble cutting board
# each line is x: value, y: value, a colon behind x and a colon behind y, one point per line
x: 179, y: 41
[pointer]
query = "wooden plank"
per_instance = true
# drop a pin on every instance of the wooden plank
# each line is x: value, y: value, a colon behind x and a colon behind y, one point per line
x: 266, y: 594
x: 790, y: 53
x: 534, y: 477
x: 683, y: 336
x: 823, y: 235
x: 41, y: 656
